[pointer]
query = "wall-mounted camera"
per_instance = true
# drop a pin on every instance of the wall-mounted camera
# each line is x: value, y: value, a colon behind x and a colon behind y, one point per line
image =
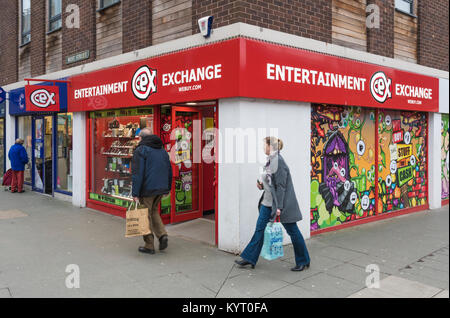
x: 205, y: 25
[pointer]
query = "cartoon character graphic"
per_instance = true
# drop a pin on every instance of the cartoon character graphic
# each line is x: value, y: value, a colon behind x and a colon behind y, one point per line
x: 336, y: 188
x: 342, y: 165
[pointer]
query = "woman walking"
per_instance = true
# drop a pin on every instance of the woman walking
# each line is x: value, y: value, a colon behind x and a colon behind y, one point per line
x: 278, y: 199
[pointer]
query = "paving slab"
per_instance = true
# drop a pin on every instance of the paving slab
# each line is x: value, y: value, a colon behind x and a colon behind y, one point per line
x: 292, y: 291
x: 352, y: 273
x: 442, y: 294
x: 423, y: 279
x: 329, y: 286
x: 250, y: 286
x: 397, y: 287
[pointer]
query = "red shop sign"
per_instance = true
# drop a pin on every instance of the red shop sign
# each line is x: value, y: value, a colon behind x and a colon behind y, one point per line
x: 41, y: 98
x: 202, y: 73
x: 249, y: 68
x: 278, y: 72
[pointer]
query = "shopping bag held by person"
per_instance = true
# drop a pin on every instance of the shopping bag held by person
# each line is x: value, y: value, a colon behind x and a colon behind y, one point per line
x: 137, y: 223
x: 7, y: 178
x: 273, y: 241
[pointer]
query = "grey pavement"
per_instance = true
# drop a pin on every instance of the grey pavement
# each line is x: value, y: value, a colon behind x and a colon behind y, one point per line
x: 41, y: 236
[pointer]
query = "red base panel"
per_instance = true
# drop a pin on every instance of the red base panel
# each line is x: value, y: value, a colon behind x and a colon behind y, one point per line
x: 115, y: 210
x: 371, y: 219
x: 445, y: 202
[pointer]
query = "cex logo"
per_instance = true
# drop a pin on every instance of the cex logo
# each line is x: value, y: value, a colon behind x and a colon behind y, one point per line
x: 42, y: 98
x: 380, y: 87
x: 144, y: 82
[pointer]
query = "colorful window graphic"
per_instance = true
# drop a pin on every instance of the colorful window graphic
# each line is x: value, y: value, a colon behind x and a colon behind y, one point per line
x: 343, y: 165
x: 402, y: 160
x: 444, y: 157
x: 344, y: 185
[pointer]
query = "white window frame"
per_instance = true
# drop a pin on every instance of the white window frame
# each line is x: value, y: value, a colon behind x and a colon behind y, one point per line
x: 101, y: 5
x: 24, y: 35
x: 55, y: 18
x: 400, y: 9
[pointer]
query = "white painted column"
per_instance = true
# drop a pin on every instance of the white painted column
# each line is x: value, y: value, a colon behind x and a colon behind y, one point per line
x: 434, y: 161
x: 228, y: 185
x: 238, y: 194
x: 10, y: 122
x: 79, y: 160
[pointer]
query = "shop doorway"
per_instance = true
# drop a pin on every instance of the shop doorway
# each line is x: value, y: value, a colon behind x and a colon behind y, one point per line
x: 188, y: 135
x: 42, y: 154
x: 186, y: 203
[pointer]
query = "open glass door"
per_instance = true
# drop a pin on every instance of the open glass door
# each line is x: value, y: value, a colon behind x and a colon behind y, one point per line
x: 185, y: 198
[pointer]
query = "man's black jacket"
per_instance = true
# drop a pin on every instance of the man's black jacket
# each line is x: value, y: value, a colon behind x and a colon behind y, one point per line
x: 151, y: 168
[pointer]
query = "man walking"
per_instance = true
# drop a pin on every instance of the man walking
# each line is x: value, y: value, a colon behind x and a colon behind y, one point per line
x: 19, y: 158
x: 152, y: 178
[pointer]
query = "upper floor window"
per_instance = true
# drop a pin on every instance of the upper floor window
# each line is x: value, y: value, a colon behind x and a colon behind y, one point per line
x: 54, y: 15
x: 107, y: 3
x: 406, y: 6
x: 25, y: 22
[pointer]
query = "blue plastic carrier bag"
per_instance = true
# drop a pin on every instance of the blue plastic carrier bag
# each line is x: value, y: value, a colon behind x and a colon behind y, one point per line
x: 273, y: 241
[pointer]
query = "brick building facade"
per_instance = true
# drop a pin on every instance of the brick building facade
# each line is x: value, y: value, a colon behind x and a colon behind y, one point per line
x: 130, y: 25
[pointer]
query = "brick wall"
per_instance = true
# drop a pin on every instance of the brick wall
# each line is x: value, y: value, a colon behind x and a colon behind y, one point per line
x: 381, y: 41
x: 136, y: 25
x: 433, y: 34
x: 307, y: 18
x: 37, y: 44
x: 78, y: 40
x: 9, y: 25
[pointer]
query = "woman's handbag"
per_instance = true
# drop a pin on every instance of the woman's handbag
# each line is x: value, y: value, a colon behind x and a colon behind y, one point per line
x: 273, y: 241
x: 137, y: 223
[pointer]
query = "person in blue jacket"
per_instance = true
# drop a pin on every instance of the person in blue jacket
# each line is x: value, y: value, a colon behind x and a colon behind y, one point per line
x: 19, y: 158
x: 152, y: 178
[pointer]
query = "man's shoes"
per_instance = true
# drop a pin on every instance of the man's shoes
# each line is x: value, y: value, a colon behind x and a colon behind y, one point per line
x: 13, y: 191
x: 299, y: 268
x: 163, y: 241
x: 21, y: 191
x: 146, y: 250
x: 243, y: 263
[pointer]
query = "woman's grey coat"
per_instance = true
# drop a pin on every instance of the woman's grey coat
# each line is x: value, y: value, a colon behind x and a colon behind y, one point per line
x: 283, y: 193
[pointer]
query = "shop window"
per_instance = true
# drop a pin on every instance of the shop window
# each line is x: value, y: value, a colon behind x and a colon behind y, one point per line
x: 343, y: 165
x: 113, y: 140
x: 64, y: 152
x: 402, y: 167
x: 2, y: 147
x: 107, y: 3
x: 54, y: 15
x: 25, y: 22
x: 24, y: 131
x: 405, y: 6
x: 348, y: 182
x: 444, y: 157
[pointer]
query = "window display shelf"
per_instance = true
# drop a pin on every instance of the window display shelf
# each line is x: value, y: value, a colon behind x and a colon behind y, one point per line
x: 116, y: 155
x: 118, y: 171
x: 123, y: 147
x: 118, y: 196
x: 120, y: 137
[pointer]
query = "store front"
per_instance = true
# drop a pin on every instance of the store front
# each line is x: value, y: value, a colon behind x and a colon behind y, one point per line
x: 367, y: 128
x: 47, y: 139
x: 113, y: 138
